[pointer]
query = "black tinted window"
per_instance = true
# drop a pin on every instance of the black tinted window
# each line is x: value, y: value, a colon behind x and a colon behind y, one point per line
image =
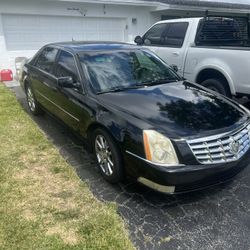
x: 153, y: 36
x: 175, y: 34
x: 46, y: 59
x: 223, y: 31
x: 66, y: 66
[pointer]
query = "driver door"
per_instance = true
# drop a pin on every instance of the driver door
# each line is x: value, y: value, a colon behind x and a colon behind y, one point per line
x: 69, y: 100
x: 153, y: 37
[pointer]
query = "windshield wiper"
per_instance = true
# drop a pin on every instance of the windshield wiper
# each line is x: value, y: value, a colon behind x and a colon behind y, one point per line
x: 138, y: 85
x: 156, y: 82
x: 118, y: 89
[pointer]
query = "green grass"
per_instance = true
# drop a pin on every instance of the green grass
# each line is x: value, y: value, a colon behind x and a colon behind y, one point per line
x: 43, y: 203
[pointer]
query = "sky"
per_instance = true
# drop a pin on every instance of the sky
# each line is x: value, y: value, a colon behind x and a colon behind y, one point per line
x: 231, y: 1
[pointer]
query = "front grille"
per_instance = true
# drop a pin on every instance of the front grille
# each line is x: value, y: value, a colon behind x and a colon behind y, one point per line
x: 221, y: 148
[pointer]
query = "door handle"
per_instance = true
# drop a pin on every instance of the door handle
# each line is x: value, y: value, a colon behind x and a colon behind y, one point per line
x: 45, y: 83
x: 50, y: 87
x: 176, y: 53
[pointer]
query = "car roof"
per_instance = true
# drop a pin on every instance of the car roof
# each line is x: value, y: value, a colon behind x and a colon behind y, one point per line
x: 81, y: 46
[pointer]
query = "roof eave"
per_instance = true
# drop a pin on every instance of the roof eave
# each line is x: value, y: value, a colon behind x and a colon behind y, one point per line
x: 200, y: 8
x: 116, y: 2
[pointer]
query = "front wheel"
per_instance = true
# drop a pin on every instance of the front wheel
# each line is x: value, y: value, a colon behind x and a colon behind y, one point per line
x: 218, y: 86
x: 108, y: 156
x: 32, y: 102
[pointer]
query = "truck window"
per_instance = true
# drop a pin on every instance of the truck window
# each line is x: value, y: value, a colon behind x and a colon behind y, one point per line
x: 154, y: 35
x: 222, y: 31
x: 175, y: 34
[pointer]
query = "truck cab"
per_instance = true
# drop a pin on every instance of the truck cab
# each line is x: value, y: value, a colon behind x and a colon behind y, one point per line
x: 211, y: 51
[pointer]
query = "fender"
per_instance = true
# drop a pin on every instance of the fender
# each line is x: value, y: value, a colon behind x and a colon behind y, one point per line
x: 225, y: 71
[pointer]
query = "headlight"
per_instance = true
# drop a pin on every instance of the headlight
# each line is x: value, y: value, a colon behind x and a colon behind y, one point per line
x: 159, y: 148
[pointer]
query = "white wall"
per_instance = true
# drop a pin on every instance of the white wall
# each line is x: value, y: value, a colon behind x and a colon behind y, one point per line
x: 142, y: 13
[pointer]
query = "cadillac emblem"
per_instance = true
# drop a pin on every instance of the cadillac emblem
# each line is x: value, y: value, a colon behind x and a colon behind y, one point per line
x: 234, y: 147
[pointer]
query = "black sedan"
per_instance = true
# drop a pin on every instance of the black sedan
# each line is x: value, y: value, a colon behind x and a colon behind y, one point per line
x: 140, y: 118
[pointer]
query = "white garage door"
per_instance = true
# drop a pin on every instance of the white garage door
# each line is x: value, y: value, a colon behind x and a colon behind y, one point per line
x: 30, y: 32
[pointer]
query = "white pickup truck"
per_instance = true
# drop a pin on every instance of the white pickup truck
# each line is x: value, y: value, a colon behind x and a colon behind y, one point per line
x: 212, y: 51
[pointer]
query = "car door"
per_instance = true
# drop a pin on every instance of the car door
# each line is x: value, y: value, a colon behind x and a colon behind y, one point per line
x: 43, y: 80
x: 172, y: 49
x: 72, y: 101
x: 153, y: 37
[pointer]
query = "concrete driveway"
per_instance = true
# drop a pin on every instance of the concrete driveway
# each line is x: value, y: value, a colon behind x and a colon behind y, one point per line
x: 216, y: 218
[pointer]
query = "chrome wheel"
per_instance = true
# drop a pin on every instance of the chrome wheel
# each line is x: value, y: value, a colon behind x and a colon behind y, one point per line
x: 104, y: 155
x: 31, y: 100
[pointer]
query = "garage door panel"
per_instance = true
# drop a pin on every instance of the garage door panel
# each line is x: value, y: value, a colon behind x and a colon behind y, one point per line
x: 29, y: 32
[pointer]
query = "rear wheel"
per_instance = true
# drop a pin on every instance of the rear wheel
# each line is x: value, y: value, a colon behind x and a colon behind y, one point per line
x: 217, y: 85
x: 32, y: 102
x: 108, y: 156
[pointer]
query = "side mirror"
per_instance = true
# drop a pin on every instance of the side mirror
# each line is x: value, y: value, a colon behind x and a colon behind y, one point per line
x: 138, y: 40
x: 65, y: 82
x: 174, y: 67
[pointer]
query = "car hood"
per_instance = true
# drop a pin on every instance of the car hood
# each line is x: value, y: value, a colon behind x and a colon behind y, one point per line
x: 179, y: 109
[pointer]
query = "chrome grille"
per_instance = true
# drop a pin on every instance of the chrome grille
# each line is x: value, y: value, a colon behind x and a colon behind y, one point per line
x: 221, y: 148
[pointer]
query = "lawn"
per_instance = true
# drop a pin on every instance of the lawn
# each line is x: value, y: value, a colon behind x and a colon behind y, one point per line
x: 43, y: 203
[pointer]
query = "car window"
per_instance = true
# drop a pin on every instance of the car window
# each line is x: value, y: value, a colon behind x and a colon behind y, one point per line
x: 145, y: 62
x: 66, y: 66
x: 153, y: 36
x: 175, y: 34
x: 125, y: 69
x: 46, y: 59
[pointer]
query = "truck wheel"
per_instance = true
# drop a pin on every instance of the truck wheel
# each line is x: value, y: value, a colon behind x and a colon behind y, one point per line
x: 218, y: 86
x: 108, y: 156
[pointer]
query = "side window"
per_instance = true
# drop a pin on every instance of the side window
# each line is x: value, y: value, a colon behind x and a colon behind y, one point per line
x: 154, y: 35
x: 175, y: 34
x: 66, y: 66
x: 46, y: 59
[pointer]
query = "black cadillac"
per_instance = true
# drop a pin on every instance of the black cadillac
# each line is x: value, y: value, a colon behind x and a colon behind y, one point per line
x: 140, y: 118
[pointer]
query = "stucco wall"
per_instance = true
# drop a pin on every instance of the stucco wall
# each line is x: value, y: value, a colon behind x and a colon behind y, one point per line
x: 142, y: 13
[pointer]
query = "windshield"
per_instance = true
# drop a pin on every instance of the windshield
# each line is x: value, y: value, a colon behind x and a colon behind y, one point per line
x: 117, y: 70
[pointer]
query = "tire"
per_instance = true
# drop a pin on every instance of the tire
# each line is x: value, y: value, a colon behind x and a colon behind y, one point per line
x: 33, y: 105
x: 218, y: 86
x: 108, y: 156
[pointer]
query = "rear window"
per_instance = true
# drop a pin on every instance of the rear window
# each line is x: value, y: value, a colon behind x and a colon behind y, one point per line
x: 222, y: 31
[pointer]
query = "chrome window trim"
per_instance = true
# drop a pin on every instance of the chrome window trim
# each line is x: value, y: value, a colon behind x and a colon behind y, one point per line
x: 154, y: 163
x: 66, y: 112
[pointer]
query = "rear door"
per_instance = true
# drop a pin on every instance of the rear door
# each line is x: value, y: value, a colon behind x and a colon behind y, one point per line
x: 43, y: 80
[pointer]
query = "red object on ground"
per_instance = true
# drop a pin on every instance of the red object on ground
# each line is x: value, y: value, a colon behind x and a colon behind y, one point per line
x: 6, y: 75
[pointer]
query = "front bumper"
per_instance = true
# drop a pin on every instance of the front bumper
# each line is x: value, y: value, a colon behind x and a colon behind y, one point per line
x: 183, y: 178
